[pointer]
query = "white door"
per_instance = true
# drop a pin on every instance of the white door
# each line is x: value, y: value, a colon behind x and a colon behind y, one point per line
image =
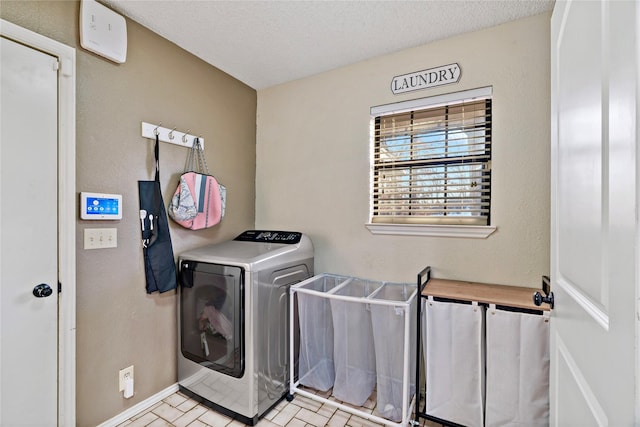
x: 594, y: 228
x: 28, y: 230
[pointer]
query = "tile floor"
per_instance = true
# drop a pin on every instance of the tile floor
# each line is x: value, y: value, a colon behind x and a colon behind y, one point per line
x: 180, y: 411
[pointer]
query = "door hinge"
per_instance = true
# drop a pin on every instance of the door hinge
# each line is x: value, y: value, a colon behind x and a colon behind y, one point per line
x: 56, y: 65
x: 59, y: 287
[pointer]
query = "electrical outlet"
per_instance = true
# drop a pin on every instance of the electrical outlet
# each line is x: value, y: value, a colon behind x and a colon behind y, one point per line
x: 125, y: 373
x: 99, y: 238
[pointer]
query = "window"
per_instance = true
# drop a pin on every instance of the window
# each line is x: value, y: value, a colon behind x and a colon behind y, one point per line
x: 431, y: 160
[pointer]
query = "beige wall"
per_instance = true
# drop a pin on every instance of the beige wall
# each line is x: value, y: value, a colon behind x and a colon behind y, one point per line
x: 118, y: 324
x: 313, y: 160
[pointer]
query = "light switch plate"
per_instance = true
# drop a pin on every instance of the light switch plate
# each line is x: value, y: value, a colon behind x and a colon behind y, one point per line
x: 100, y: 238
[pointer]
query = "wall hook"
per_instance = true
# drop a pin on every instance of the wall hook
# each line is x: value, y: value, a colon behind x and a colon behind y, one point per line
x: 173, y: 136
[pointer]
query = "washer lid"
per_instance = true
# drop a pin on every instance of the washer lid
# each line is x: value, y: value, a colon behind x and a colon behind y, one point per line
x: 252, y: 247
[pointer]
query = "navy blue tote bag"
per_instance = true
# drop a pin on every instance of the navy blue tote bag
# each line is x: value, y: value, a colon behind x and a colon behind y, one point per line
x: 159, y: 264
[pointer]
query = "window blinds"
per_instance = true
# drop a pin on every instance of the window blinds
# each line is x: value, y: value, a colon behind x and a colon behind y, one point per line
x: 433, y: 165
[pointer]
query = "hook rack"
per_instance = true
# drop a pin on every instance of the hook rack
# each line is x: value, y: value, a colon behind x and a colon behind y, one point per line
x: 172, y: 136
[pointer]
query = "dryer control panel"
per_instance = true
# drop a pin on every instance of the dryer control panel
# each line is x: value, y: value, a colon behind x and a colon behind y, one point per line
x: 288, y: 237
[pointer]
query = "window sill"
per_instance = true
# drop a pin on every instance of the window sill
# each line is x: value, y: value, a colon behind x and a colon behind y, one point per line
x: 464, y: 231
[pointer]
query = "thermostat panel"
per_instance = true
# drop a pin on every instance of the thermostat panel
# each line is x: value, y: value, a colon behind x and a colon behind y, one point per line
x: 100, y: 206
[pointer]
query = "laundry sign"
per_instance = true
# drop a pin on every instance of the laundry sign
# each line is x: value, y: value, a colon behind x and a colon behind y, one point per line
x: 425, y: 79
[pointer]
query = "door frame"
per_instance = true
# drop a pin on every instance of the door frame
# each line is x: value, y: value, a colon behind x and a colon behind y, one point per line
x: 66, y: 210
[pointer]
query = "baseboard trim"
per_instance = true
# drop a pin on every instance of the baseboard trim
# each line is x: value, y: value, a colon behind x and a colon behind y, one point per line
x: 140, y: 407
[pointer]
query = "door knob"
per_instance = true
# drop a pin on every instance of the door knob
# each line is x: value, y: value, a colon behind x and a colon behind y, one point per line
x: 538, y: 299
x: 42, y: 291
x: 548, y: 298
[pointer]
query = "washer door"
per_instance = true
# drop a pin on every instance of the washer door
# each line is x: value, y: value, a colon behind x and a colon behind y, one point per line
x: 212, y: 316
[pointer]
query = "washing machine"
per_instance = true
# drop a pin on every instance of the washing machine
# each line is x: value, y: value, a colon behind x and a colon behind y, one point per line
x: 233, y: 320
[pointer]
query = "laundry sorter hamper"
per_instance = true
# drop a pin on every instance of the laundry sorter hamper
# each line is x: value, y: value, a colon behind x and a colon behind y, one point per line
x: 353, y: 349
x: 517, y: 368
x: 316, y: 367
x: 486, y: 354
x: 390, y: 332
x: 358, y: 309
x: 454, y: 348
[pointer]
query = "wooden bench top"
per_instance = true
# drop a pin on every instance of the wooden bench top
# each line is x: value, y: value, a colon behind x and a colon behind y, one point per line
x: 512, y: 296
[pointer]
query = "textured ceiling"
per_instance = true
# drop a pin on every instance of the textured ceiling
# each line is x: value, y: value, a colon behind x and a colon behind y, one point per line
x: 265, y: 43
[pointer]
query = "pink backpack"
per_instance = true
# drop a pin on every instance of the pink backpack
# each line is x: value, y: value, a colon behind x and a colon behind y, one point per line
x: 199, y: 200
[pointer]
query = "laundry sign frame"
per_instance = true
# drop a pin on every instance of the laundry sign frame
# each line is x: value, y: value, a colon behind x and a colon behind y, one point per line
x: 425, y: 79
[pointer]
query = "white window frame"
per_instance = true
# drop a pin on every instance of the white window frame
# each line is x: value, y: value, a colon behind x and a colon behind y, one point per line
x: 434, y: 230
